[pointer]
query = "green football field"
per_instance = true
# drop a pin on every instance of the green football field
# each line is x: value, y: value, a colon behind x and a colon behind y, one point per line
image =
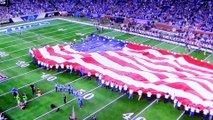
x: 106, y: 104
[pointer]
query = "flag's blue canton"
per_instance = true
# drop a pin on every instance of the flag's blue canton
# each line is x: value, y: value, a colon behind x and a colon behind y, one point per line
x: 99, y: 44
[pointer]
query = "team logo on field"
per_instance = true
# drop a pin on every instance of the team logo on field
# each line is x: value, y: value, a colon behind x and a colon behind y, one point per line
x: 3, y: 54
x: 130, y: 116
x: 2, y: 77
x: 61, y: 29
x: 86, y: 96
x: 48, y: 77
x: 80, y: 34
x: 22, y: 64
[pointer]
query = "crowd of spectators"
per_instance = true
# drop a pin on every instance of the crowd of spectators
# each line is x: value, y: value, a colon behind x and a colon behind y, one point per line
x: 195, y: 14
x: 186, y: 37
x: 25, y: 7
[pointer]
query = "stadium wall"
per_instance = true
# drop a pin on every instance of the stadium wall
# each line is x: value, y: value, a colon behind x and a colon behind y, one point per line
x: 30, y: 17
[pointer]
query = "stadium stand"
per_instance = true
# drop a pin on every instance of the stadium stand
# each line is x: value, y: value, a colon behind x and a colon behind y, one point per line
x: 179, y: 13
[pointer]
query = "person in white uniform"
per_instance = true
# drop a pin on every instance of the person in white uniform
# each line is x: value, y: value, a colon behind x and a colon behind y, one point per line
x: 140, y: 92
x: 158, y: 96
x: 149, y: 95
x: 130, y: 94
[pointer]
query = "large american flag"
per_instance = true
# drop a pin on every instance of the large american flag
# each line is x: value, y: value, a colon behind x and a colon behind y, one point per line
x: 137, y: 66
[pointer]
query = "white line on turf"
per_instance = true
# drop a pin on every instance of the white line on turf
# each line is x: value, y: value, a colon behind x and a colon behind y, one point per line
x: 31, y: 83
x: 181, y: 115
x: 208, y: 57
x: 75, y: 26
x: 54, y: 40
x: 46, y: 93
x: 174, y: 48
x: 147, y: 107
x: 44, y: 37
x: 132, y: 33
x: 191, y: 51
x: 88, y: 117
x: 8, y: 68
x: 21, y: 74
x: 159, y: 44
x: 13, y: 58
x: 27, y: 85
x: 43, y: 115
x: 39, y: 30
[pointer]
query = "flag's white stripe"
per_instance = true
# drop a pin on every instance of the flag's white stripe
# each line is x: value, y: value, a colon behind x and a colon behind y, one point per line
x: 109, y: 63
x: 47, y: 55
x: 138, y: 65
x: 58, y: 50
x: 69, y: 49
x: 193, y: 85
x: 106, y: 62
x: 129, y: 81
x: 160, y: 66
x: 139, y: 55
x: 85, y: 64
x: 171, y: 57
x: 203, y: 80
x: 154, y: 66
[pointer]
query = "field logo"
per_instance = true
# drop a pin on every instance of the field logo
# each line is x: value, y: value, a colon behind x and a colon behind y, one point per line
x: 79, y: 34
x: 87, y: 96
x: 129, y: 116
x: 3, y: 54
x: 22, y: 64
x: 48, y: 77
x: 61, y: 29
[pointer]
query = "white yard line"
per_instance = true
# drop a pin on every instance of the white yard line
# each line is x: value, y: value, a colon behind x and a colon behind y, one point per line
x: 88, y: 117
x: 53, y: 40
x: 27, y: 85
x: 14, y: 66
x: 132, y: 33
x: 158, y: 44
x: 43, y: 115
x: 174, y: 48
x: 207, y: 57
x: 46, y: 93
x: 20, y: 75
x: 41, y: 29
x: 181, y: 115
x: 191, y: 51
x: 76, y: 26
x: 44, y: 37
x: 13, y: 58
x: 147, y: 107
